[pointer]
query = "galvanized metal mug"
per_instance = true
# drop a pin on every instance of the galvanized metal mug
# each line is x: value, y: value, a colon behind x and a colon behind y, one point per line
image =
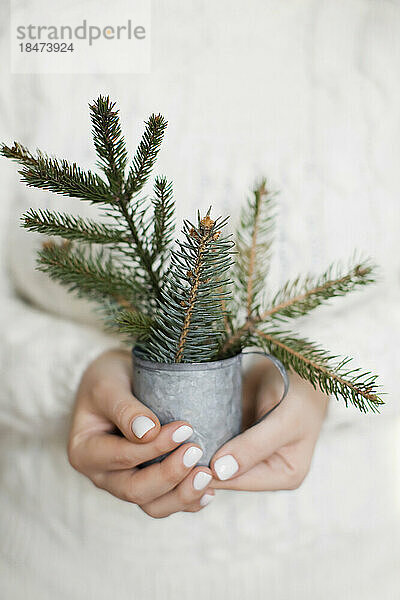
x: 206, y: 395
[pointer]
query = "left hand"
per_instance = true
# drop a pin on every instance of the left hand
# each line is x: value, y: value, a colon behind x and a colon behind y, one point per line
x: 276, y: 453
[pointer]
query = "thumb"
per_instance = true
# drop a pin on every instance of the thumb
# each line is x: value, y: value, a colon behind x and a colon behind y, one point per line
x: 135, y: 421
x: 249, y: 448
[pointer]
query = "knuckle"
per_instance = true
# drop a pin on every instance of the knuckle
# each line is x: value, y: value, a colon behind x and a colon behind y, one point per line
x: 122, y: 411
x: 98, y: 480
x: 296, y: 478
x: 185, y: 496
x: 122, y: 461
x: 194, y: 509
x: 170, y: 472
x: 73, y: 455
x: 135, y: 497
x: 161, y: 445
x: 154, y: 512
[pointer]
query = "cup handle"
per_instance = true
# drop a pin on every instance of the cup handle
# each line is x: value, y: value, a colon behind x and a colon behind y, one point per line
x: 283, y: 373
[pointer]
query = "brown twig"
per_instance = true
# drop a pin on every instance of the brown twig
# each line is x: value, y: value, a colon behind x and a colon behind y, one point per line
x: 207, y: 225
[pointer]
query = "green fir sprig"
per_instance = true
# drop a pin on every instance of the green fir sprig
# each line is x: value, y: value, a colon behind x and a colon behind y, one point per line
x: 58, y: 176
x: 146, y: 154
x: 189, y: 321
x: 300, y: 296
x: 109, y: 142
x: 91, y: 274
x: 164, y: 221
x: 71, y: 227
x: 330, y: 373
x: 253, y: 244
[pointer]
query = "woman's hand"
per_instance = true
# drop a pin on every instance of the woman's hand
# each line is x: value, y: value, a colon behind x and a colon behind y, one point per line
x: 276, y: 453
x: 105, y: 408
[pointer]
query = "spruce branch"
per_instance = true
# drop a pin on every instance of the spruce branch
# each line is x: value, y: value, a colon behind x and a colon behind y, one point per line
x: 146, y: 154
x: 109, y: 142
x: 320, y: 368
x: 298, y: 297
x: 203, y: 236
x: 110, y: 146
x: 71, y: 227
x: 163, y: 219
x: 253, y: 243
x: 57, y: 176
x: 189, y: 322
x: 90, y: 274
x: 67, y: 179
x: 136, y: 325
x: 18, y: 153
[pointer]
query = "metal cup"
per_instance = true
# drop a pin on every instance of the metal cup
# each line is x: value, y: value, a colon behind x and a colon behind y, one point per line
x: 206, y: 395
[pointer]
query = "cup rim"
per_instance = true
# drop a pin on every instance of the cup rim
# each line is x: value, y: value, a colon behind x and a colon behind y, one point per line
x: 195, y: 366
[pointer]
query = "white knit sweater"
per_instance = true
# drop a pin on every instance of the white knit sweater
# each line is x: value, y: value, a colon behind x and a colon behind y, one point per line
x: 308, y: 94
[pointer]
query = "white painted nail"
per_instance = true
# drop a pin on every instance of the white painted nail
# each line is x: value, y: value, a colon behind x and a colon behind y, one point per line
x: 192, y: 456
x: 201, y: 480
x: 182, y: 433
x: 142, y: 425
x: 226, y: 466
x: 206, y: 499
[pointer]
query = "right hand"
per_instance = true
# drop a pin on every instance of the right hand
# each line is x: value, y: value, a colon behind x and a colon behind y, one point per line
x: 104, y: 409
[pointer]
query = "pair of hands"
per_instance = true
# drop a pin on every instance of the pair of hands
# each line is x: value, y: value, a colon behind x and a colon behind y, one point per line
x: 274, y: 454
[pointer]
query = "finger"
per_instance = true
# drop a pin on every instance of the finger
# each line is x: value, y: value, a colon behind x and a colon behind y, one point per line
x: 115, y: 401
x: 278, y: 472
x: 187, y: 496
x: 249, y: 448
x: 107, y: 452
x: 145, y: 485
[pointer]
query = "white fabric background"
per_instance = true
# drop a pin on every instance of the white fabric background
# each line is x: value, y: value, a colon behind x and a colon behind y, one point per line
x: 307, y: 93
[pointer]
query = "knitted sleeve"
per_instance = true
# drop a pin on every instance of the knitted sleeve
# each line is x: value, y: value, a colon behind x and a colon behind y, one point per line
x: 42, y: 358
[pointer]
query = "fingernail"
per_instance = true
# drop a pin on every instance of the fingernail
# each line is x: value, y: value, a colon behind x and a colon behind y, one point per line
x: 182, y: 433
x: 206, y: 499
x: 142, y: 425
x: 192, y: 456
x: 201, y: 480
x: 226, y: 466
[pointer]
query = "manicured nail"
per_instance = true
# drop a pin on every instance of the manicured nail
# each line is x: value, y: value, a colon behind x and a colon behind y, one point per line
x: 201, y: 480
x: 182, y: 433
x: 206, y: 499
x: 142, y: 425
x: 192, y: 456
x: 226, y: 466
